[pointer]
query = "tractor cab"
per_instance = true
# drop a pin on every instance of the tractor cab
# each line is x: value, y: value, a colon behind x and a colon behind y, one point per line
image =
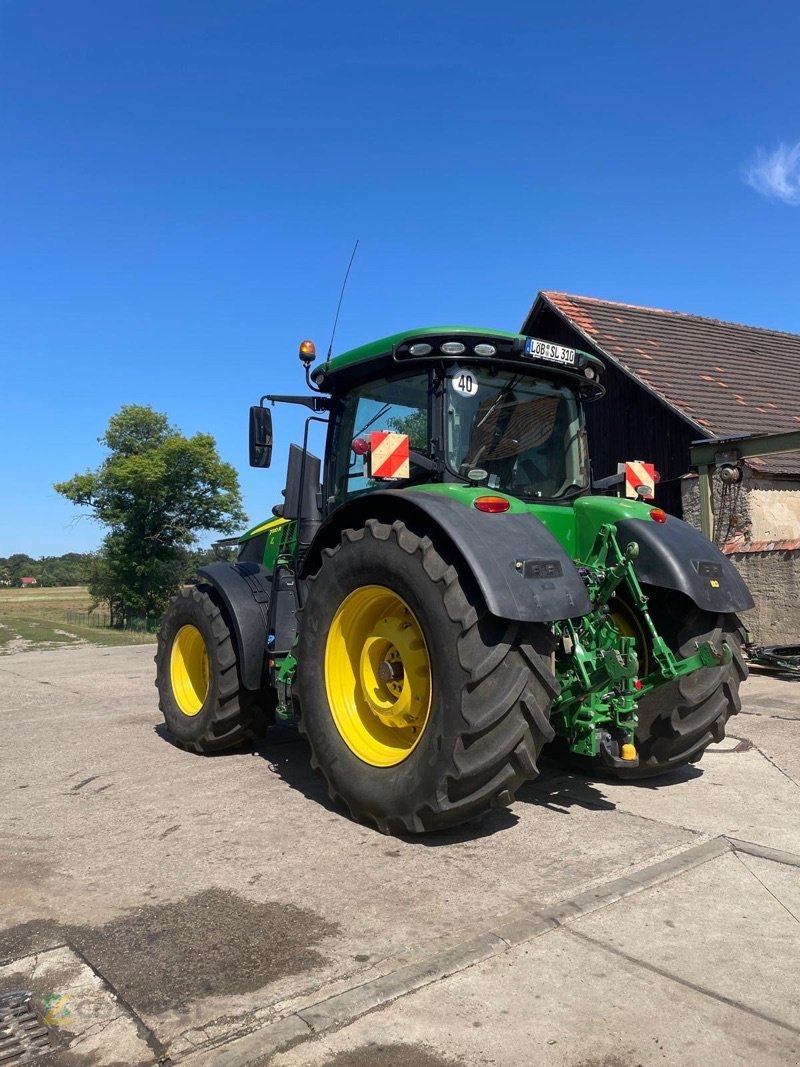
x: 502, y: 429
x: 455, y: 405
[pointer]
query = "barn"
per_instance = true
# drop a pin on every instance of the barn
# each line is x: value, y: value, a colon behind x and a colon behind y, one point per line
x: 673, y: 379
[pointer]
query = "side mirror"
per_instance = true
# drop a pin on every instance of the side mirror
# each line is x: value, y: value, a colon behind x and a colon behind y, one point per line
x: 260, y: 437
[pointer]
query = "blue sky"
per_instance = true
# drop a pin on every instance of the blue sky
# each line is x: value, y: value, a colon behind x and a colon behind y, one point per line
x: 181, y: 185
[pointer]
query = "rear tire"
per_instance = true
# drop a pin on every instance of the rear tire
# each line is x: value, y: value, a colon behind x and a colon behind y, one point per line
x: 422, y: 710
x: 197, y: 676
x: 680, y: 719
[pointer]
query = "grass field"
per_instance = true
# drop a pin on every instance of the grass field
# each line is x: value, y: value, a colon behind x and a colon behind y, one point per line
x: 34, y: 618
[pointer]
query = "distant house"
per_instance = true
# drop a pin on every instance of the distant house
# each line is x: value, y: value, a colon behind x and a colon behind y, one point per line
x: 24, y: 582
x: 673, y: 379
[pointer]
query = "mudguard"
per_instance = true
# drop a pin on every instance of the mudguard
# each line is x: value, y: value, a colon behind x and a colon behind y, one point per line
x: 674, y: 555
x: 522, y: 571
x: 245, y: 590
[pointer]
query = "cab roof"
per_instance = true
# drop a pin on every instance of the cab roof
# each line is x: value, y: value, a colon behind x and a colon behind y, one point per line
x: 393, y: 352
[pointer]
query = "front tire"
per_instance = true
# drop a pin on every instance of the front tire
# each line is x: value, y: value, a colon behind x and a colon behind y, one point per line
x: 422, y: 710
x: 197, y: 675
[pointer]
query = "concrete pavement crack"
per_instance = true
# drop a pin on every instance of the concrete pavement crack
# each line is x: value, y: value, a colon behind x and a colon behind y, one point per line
x: 665, y: 822
x: 88, y: 701
x: 685, y: 982
x: 769, y: 759
x: 96, y: 1030
x: 144, y: 1032
x: 765, y: 886
x: 761, y: 715
x: 647, y: 818
x: 281, y: 1008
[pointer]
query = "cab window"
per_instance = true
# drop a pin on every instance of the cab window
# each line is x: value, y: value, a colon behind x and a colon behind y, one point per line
x: 523, y: 435
x: 399, y: 405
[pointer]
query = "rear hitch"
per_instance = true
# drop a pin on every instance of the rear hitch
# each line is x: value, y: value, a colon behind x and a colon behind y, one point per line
x: 614, y: 754
x: 599, y: 668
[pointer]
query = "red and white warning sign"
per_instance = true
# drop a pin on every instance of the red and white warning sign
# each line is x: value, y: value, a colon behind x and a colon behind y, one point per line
x: 389, y: 455
x: 639, y: 474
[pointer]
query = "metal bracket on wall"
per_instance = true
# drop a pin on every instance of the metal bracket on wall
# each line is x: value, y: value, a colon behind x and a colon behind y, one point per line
x: 707, y: 455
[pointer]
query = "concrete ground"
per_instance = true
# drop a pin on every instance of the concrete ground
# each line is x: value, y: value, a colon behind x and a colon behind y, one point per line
x: 214, y: 912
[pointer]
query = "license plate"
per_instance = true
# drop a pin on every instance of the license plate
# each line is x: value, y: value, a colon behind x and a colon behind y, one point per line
x: 536, y: 349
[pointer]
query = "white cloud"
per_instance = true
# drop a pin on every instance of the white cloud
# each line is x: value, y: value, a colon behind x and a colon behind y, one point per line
x: 776, y: 174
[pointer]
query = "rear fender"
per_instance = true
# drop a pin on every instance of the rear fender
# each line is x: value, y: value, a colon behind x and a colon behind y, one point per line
x: 245, y: 590
x: 521, y: 570
x: 674, y: 555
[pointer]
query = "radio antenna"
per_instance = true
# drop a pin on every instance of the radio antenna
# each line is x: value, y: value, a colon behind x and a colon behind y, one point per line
x: 339, y: 305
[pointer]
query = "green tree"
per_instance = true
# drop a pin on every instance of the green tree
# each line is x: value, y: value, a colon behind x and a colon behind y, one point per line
x: 73, y: 568
x: 415, y: 424
x: 155, y: 491
x: 20, y: 566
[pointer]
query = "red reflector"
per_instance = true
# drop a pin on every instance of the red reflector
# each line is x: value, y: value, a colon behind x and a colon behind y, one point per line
x: 491, y: 504
x: 637, y: 685
x: 360, y: 446
x: 658, y: 515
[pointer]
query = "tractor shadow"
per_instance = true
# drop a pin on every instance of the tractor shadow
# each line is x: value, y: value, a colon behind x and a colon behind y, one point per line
x: 284, y: 752
x: 561, y: 787
x: 559, y: 790
x: 288, y: 755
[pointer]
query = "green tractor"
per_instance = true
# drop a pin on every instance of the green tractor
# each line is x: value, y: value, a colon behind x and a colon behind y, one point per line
x: 446, y: 595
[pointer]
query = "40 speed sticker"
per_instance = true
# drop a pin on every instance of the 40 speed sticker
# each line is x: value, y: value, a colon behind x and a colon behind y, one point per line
x: 464, y: 383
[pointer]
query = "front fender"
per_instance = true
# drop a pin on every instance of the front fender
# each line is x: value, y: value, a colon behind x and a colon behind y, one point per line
x: 674, y: 555
x: 245, y: 590
x: 522, y: 571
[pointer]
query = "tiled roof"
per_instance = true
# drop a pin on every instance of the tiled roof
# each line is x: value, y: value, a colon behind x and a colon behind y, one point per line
x: 787, y: 463
x: 745, y: 547
x: 724, y: 379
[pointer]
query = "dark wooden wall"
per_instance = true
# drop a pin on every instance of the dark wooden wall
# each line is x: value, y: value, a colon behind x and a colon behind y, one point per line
x: 628, y: 422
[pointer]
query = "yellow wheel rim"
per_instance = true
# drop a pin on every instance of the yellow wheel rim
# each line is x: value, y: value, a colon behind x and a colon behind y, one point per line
x: 189, y: 671
x: 378, y: 676
x: 627, y: 625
